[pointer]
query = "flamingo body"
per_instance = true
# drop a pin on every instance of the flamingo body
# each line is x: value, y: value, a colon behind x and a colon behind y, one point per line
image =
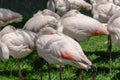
x: 114, y: 28
x: 40, y: 20
x: 18, y: 43
x: 80, y: 26
x: 8, y: 16
x: 103, y: 10
x: 57, y: 48
x: 62, y: 6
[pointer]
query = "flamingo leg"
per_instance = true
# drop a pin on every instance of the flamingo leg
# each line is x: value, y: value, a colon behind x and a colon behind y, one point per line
x: 79, y: 74
x: 48, y: 70
x: 41, y: 73
x: 110, y: 54
x: 19, y: 70
x: 94, y: 73
x: 60, y: 69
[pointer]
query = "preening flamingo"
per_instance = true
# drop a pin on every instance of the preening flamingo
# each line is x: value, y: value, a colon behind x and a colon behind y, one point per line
x: 80, y: 26
x: 9, y: 16
x: 18, y: 43
x: 40, y: 19
x: 62, y: 6
x: 57, y: 48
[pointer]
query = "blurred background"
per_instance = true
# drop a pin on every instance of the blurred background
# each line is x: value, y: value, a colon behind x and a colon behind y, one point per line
x: 26, y: 7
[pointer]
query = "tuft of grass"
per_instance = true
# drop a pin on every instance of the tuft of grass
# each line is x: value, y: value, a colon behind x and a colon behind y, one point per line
x: 95, y: 49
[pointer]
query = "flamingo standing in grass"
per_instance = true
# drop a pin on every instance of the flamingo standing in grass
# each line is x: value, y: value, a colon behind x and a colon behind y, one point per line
x: 57, y: 48
x: 17, y: 43
x: 103, y: 10
x: 114, y: 30
x: 8, y: 16
x: 80, y: 26
x: 40, y: 19
x: 63, y: 6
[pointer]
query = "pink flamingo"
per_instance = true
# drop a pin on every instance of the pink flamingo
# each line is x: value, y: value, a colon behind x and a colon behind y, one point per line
x: 63, y: 6
x: 57, y: 48
x: 114, y: 30
x: 8, y: 16
x: 17, y: 43
x: 40, y: 19
x: 80, y: 26
x: 103, y: 10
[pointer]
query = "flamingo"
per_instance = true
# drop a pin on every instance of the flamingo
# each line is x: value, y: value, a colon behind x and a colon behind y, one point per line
x: 62, y: 6
x: 57, y: 48
x: 80, y: 26
x: 9, y: 16
x: 40, y: 19
x: 7, y: 29
x: 117, y: 2
x: 17, y: 43
x: 103, y: 10
x: 114, y: 30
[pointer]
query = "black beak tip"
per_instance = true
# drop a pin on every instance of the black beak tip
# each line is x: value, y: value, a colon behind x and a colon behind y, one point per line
x: 94, y: 68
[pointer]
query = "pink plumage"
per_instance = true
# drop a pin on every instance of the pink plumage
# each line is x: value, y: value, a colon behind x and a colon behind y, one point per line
x: 9, y: 16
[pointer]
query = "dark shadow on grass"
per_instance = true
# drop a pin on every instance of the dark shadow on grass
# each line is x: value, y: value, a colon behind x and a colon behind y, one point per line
x: 7, y: 73
x: 38, y: 63
x: 103, y: 56
x: 116, y: 77
x: 103, y: 70
x: 14, y: 73
x: 71, y: 78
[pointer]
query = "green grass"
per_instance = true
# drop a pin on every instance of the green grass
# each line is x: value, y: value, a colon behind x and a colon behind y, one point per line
x: 96, y: 50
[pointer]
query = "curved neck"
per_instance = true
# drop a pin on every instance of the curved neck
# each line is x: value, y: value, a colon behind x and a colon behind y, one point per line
x: 51, y: 5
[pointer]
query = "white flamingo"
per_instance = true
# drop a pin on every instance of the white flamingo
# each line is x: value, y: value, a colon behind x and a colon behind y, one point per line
x: 40, y: 19
x: 80, y: 26
x: 8, y: 16
x: 18, y: 44
x: 62, y: 6
x: 114, y: 30
x: 117, y: 2
x: 57, y: 48
x: 7, y: 29
x: 103, y: 10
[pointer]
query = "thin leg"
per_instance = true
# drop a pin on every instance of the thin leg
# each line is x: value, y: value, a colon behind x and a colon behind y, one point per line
x: 94, y: 75
x: 94, y: 69
x: 60, y: 69
x: 48, y: 70
x: 41, y: 73
x: 19, y: 70
x: 109, y: 52
x: 79, y: 73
